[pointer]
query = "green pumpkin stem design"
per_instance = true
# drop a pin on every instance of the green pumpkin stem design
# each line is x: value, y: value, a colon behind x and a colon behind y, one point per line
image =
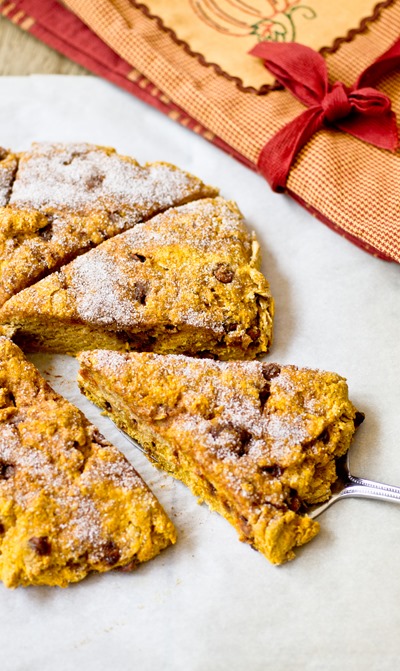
x: 284, y: 29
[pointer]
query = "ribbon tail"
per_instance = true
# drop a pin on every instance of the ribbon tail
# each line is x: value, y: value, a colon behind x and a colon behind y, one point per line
x: 385, y: 64
x: 277, y: 156
x: 380, y: 131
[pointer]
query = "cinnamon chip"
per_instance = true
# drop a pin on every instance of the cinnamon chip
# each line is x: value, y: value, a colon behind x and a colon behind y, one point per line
x: 223, y: 273
x: 41, y: 545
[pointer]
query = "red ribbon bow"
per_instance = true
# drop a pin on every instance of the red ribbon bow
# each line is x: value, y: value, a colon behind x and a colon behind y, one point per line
x: 360, y: 110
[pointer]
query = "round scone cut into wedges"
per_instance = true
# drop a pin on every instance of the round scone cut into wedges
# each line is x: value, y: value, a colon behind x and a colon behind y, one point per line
x: 186, y: 281
x: 257, y: 441
x: 70, y: 502
x: 60, y: 200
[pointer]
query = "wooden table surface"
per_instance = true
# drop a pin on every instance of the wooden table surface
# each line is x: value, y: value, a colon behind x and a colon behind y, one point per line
x: 23, y: 54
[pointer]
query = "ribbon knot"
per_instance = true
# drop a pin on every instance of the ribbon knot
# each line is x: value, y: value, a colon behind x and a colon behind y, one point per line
x: 360, y: 110
x: 336, y: 104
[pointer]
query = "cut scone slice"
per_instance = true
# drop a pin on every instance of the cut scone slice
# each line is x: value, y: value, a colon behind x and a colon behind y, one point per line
x: 187, y: 281
x: 70, y: 502
x: 258, y: 442
x: 67, y: 198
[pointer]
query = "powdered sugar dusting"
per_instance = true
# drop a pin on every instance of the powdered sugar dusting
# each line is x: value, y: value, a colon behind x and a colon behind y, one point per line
x: 82, y: 178
x: 99, y: 286
x: 287, y: 429
x: 235, y: 421
x: 7, y: 171
x: 114, y: 361
x: 87, y: 194
x: 4, y: 187
x: 234, y: 407
x: 84, y: 527
x: 204, y: 225
x: 47, y: 481
x: 196, y: 318
x: 239, y: 433
x: 112, y: 469
x: 107, y: 282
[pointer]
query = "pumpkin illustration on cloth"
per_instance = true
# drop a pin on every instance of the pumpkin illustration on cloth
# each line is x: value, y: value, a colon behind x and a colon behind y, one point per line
x: 268, y: 20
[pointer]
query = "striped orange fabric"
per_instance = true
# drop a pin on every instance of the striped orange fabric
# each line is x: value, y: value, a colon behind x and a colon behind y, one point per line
x: 350, y: 185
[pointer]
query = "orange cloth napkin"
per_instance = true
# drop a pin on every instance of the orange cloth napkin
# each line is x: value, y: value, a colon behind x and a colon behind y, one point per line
x: 190, y: 59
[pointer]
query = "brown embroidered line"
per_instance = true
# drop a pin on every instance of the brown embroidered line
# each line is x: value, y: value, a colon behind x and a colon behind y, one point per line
x: 200, y: 57
x: 265, y: 88
x: 356, y: 31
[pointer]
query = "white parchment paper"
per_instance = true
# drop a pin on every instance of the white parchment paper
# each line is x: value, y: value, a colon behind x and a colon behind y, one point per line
x: 212, y: 603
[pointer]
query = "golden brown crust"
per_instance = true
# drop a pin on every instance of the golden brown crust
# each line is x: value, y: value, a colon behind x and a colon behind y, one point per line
x: 70, y: 502
x: 258, y: 442
x: 185, y: 281
x: 68, y: 198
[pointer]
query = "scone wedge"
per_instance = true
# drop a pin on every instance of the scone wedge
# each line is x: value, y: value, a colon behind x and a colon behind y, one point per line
x: 60, y: 200
x: 187, y: 281
x: 70, y: 503
x: 258, y: 442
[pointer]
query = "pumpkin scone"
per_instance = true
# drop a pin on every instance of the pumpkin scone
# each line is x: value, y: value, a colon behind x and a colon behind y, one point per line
x: 187, y: 281
x: 67, y: 198
x: 258, y: 442
x: 70, y: 503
